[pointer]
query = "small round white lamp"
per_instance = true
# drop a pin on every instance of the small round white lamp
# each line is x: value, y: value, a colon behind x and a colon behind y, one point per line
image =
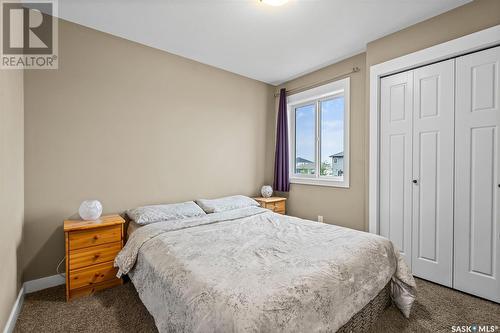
x: 266, y: 191
x: 90, y: 210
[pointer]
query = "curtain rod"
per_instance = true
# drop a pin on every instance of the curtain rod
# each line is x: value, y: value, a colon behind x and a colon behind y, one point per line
x: 317, y: 84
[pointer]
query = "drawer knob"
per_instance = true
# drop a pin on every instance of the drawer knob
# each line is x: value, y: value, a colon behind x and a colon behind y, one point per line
x: 96, y: 237
x: 97, y: 255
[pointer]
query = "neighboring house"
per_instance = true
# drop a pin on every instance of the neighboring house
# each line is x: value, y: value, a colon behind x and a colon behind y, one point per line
x: 304, y: 166
x: 337, y: 164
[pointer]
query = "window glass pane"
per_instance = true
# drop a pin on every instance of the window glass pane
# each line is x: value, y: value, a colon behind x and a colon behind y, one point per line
x: 305, y: 140
x: 332, y: 137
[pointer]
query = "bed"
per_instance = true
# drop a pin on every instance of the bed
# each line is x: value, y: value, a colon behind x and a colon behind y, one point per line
x: 249, y: 269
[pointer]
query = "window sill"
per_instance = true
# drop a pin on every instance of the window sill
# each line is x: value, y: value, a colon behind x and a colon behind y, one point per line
x: 319, y: 182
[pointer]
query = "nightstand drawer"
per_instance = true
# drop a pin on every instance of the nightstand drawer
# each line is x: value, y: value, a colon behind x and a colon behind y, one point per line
x: 93, y: 255
x: 91, y: 275
x: 276, y: 207
x: 96, y: 236
x: 276, y: 204
x: 90, y: 290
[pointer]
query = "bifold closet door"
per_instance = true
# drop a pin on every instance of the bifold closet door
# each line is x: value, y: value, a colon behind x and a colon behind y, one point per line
x: 477, y: 251
x: 433, y: 137
x: 396, y: 93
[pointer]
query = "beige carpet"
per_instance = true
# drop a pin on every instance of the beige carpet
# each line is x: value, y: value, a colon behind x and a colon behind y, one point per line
x: 120, y: 310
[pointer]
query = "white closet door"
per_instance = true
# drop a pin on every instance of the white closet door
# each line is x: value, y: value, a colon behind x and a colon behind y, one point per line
x: 395, y: 161
x: 477, y: 250
x: 432, y: 224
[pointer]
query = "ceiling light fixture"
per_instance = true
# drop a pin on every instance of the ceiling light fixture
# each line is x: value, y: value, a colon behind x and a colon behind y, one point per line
x: 274, y: 2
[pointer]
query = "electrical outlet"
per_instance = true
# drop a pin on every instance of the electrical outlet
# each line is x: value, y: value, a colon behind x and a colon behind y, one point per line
x: 320, y: 218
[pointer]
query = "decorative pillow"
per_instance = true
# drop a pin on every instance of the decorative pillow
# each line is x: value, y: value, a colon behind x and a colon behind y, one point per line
x: 226, y: 203
x: 155, y: 213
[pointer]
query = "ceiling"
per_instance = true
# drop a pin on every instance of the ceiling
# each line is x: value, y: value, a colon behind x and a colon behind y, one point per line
x: 269, y: 44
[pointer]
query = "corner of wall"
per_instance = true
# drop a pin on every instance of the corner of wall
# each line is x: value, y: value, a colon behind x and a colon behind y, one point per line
x: 12, y: 189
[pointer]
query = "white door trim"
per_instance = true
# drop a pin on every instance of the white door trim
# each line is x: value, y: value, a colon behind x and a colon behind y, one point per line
x: 473, y: 42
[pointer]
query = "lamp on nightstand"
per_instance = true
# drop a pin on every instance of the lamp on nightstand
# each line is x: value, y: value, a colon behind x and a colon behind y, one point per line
x: 266, y: 191
x: 90, y: 210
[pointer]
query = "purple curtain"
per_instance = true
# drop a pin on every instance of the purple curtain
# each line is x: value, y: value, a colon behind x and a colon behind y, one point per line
x: 281, y: 177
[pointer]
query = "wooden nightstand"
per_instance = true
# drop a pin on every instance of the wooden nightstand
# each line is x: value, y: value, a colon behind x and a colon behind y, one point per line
x: 91, y: 247
x: 276, y: 204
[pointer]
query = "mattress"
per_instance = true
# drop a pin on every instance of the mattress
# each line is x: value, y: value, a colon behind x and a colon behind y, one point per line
x: 254, y: 270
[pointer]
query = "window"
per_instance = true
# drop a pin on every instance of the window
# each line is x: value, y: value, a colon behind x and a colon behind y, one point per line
x: 305, y: 142
x: 319, y: 135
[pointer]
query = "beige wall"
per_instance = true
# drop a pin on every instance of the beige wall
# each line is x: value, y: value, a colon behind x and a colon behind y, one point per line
x: 11, y: 187
x: 349, y: 207
x: 130, y: 125
x: 341, y: 206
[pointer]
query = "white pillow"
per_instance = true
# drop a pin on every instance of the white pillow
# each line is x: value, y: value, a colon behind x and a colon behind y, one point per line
x: 155, y: 213
x: 226, y: 203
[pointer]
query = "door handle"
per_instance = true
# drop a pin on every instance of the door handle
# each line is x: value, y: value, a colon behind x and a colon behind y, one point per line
x: 414, y: 181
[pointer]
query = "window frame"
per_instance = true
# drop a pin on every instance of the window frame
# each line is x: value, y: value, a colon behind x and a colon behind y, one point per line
x: 316, y: 96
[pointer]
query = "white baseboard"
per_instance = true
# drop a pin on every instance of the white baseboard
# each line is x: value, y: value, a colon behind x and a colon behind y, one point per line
x: 30, y: 287
x: 43, y: 283
x: 16, y: 309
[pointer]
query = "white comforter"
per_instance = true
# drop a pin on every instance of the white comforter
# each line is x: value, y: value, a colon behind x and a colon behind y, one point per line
x: 251, y: 270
